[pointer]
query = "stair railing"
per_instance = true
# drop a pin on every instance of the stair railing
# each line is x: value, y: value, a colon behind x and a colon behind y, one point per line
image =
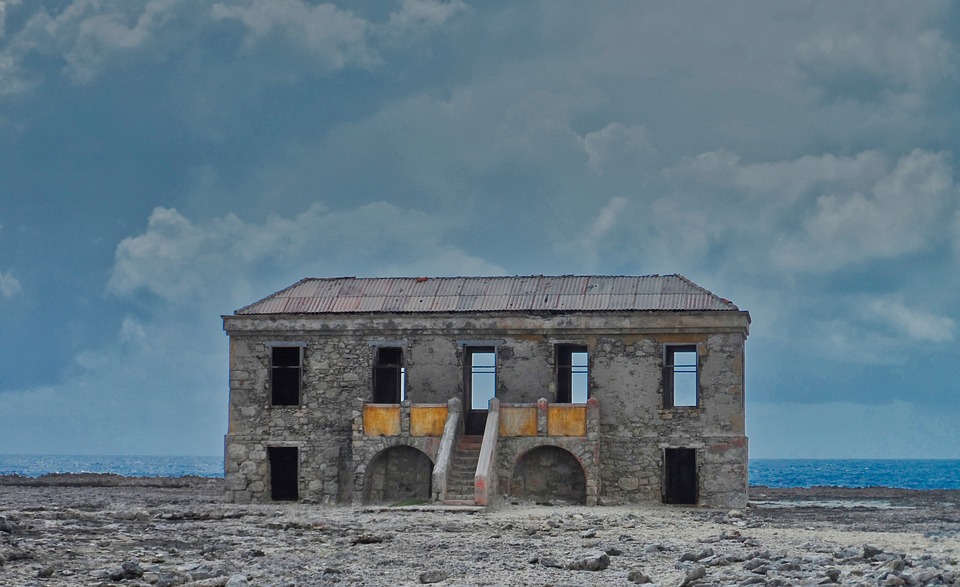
x: 484, y: 482
x: 448, y: 444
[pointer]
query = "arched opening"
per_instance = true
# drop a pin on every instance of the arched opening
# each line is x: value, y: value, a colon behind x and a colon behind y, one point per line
x: 399, y: 473
x: 549, y: 473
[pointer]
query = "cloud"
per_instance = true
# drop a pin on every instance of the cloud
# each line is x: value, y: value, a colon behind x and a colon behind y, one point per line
x: 600, y: 146
x: 182, y: 262
x: 877, y: 61
x: 336, y: 38
x: 821, y: 213
x: 9, y: 286
x: 417, y: 18
x: 916, y: 325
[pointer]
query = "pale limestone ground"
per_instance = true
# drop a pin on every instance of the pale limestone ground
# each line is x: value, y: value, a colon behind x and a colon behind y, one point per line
x: 77, y: 535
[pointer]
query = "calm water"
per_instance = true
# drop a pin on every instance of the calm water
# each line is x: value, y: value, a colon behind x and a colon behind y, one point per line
x: 907, y: 474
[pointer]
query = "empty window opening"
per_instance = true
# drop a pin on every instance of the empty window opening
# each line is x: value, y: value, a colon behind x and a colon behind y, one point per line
x: 482, y: 380
x: 680, y: 476
x: 284, y: 473
x: 572, y: 374
x: 389, y: 376
x: 680, y: 376
x: 285, y: 375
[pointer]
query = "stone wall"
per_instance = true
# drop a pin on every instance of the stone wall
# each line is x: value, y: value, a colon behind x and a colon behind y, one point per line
x: 626, y: 360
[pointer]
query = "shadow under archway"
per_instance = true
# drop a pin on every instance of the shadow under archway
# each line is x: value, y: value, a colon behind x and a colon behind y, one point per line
x: 549, y: 473
x: 396, y: 474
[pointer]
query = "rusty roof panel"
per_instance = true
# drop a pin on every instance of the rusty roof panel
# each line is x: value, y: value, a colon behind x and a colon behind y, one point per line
x: 490, y: 294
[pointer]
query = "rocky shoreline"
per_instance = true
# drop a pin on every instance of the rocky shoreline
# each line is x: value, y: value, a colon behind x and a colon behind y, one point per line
x: 111, y: 530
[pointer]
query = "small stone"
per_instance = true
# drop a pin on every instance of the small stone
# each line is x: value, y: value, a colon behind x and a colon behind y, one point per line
x: 434, y: 576
x: 549, y: 561
x: 697, y: 572
x: 237, y: 581
x: 637, y: 576
x: 45, y: 572
x: 591, y: 561
x: 832, y: 574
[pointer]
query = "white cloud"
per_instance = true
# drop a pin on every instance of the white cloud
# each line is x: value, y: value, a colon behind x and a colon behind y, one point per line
x: 183, y: 262
x: 902, y: 213
x: 613, y: 139
x: 820, y: 214
x: 916, y: 325
x: 338, y: 38
x: 877, y: 60
x: 417, y: 18
x: 9, y: 286
x: 590, y: 242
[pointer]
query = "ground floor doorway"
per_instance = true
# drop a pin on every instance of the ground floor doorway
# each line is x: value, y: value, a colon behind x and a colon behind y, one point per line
x: 680, y: 476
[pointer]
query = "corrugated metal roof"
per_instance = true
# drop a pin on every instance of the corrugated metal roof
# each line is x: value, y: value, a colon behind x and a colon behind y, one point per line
x: 489, y: 294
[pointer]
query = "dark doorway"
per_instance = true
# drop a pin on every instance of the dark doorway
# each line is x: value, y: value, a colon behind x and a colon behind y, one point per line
x: 284, y: 473
x: 680, y: 476
x: 388, y: 373
x: 479, y: 385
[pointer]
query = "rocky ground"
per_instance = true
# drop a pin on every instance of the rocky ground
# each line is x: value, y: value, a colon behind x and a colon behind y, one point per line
x: 107, y: 530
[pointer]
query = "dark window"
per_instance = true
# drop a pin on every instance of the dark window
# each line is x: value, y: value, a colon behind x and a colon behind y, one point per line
x: 284, y: 473
x: 572, y: 374
x: 285, y: 375
x: 388, y: 376
x: 481, y: 376
x: 680, y: 385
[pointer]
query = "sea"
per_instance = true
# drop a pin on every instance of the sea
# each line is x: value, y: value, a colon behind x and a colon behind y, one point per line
x: 904, y: 474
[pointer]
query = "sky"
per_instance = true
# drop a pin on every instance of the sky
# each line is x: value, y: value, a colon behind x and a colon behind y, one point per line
x: 165, y: 162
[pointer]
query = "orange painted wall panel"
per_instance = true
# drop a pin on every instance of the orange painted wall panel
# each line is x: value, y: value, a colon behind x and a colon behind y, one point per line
x: 381, y: 420
x: 567, y: 420
x: 518, y: 421
x: 427, y: 420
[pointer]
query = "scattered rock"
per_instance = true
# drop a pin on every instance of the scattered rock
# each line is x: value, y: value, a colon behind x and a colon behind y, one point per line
x: 639, y: 577
x: 697, y: 572
x: 128, y: 570
x: 434, y: 576
x: 45, y: 572
x: 368, y: 538
x: 590, y: 561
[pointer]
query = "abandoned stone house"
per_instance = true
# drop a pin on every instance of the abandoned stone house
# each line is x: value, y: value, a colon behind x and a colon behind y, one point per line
x: 584, y: 389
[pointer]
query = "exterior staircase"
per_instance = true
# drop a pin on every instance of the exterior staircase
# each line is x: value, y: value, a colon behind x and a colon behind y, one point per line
x: 460, y: 489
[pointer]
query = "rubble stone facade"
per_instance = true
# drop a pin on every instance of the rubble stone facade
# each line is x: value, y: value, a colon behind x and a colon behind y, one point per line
x: 644, y: 444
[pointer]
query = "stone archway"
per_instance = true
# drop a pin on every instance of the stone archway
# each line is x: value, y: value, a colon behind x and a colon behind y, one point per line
x: 549, y: 473
x: 398, y: 473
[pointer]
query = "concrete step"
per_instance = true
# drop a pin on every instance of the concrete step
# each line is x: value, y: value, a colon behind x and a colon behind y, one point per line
x: 470, y: 501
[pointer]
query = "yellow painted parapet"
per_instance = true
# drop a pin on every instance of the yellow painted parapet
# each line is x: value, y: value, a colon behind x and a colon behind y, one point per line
x: 566, y: 420
x: 427, y: 420
x: 381, y: 420
x: 518, y: 420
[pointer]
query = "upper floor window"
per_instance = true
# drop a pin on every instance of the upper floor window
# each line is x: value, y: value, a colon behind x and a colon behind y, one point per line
x: 572, y: 374
x: 680, y: 376
x: 286, y: 368
x: 389, y: 376
x: 481, y: 376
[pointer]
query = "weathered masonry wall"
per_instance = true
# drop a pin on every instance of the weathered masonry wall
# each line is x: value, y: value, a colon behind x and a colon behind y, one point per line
x: 625, y: 374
